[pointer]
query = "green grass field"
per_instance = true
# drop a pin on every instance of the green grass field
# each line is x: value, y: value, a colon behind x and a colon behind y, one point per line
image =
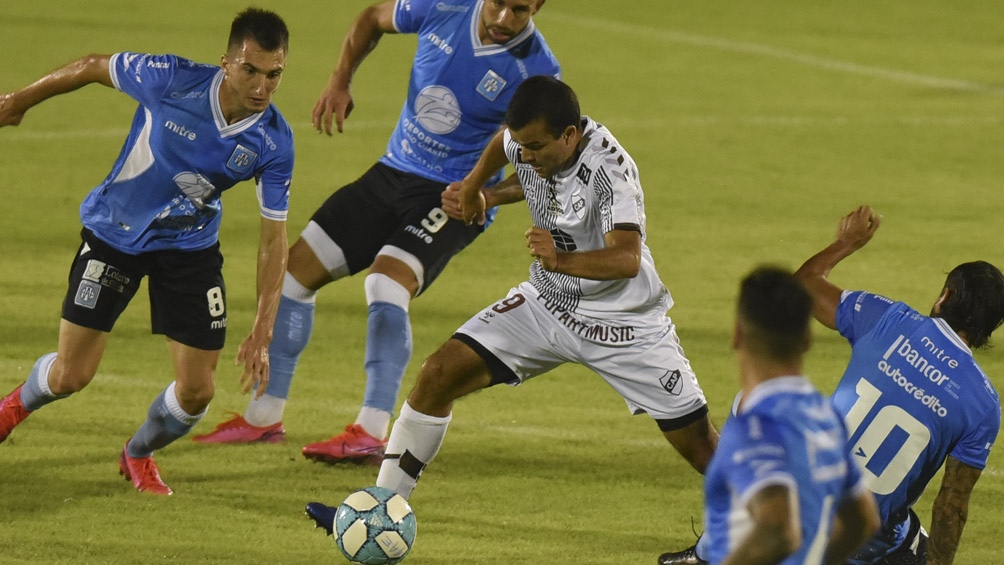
x: 755, y: 125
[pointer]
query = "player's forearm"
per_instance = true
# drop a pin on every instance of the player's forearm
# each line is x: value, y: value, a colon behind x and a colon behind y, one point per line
x: 272, y: 257
x: 86, y: 70
x: 857, y: 521
x: 948, y: 518
x: 507, y: 191
x: 492, y: 160
x: 360, y: 41
x: 600, y: 264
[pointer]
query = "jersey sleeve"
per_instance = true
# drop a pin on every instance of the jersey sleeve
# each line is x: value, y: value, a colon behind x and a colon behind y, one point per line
x: 144, y: 77
x: 974, y: 448
x: 272, y: 185
x: 760, y: 458
x: 409, y: 15
x: 859, y: 312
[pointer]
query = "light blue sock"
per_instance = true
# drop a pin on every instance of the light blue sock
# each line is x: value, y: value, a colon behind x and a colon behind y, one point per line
x: 35, y: 393
x: 388, y: 350
x: 294, y: 322
x: 165, y: 422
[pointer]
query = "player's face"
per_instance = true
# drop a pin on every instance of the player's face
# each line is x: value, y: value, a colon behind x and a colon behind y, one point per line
x: 546, y: 154
x: 501, y: 20
x: 251, y: 75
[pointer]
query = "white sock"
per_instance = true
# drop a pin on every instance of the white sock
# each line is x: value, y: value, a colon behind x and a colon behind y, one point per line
x: 265, y: 411
x: 414, y: 442
x: 374, y: 420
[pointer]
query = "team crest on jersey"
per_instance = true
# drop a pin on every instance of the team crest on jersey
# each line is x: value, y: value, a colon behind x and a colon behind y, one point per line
x: 579, y: 206
x: 491, y: 85
x: 242, y: 159
x: 584, y: 174
x: 672, y: 382
x: 87, y: 294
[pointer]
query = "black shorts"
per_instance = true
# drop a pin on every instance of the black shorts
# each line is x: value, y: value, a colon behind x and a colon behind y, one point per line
x: 390, y: 207
x: 187, y: 294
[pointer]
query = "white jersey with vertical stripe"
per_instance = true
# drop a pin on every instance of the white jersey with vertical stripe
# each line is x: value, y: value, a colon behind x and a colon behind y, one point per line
x: 459, y: 87
x: 601, y: 192
x: 164, y: 190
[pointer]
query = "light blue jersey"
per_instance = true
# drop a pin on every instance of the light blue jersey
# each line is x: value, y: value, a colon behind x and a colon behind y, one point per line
x: 785, y: 434
x: 911, y: 396
x: 459, y: 88
x: 164, y: 190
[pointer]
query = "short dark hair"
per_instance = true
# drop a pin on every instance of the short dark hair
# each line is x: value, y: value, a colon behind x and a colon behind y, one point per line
x: 266, y: 28
x: 774, y: 311
x: 543, y: 97
x: 975, y: 303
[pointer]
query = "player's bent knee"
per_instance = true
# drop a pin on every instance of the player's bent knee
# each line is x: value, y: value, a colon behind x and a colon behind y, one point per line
x: 64, y: 379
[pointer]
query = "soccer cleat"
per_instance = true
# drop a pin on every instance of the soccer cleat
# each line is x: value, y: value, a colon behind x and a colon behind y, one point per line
x: 353, y: 445
x: 686, y: 557
x: 238, y: 430
x: 142, y: 471
x: 322, y: 515
x: 12, y: 412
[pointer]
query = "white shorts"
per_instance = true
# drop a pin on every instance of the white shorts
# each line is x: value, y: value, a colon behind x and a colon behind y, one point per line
x: 523, y: 335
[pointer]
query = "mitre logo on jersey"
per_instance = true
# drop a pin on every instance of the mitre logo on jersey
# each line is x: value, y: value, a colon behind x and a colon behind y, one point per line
x: 242, y: 159
x: 491, y: 85
x: 672, y: 382
x: 437, y: 109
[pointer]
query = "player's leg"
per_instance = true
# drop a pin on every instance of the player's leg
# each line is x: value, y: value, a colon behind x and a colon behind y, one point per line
x: 418, y: 250
x: 453, y: 371
x: 341, y: 239
x: 188, y: 305
x: 505, y: 343
x: 102, y: 281
x: 696, y: 438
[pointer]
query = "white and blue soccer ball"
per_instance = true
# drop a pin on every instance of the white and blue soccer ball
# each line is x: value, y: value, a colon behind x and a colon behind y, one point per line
x: 375, y: 526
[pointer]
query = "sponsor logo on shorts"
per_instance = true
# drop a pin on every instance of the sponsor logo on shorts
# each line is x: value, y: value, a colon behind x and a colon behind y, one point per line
x: 600, y: 333
x: 220, y: 324
x: 672, y: 382
x: 105, y: 275
x: 420, y: 233
x: 87, y: 294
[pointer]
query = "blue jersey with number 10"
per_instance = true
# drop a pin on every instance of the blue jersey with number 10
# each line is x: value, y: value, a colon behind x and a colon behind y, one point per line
x: 911, y: 396
x: 785, y: 434
x: 164, y: 190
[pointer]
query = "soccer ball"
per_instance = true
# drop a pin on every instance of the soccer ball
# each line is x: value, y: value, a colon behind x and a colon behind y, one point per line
x: 375, y: 525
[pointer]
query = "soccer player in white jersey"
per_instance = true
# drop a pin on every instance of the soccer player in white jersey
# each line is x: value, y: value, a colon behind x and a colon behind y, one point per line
x: 471, y: 56
x: 198, y: 131
x: 593, y: 297
x: 783, y: 472
x: 913, y: 397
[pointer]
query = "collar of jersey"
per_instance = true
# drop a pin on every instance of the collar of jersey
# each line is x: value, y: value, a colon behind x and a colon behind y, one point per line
x: 951, y: 335
x: 493, y: 48
x: 770, y: 387
x: 227, y: 130
x: 587, y: 129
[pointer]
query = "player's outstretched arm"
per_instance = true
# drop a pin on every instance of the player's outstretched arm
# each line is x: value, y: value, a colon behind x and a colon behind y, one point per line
x: 366, y: 31
x: 951, y: 509
x: 471, y: 199
x: 508, y: 191
x: 857, y: 521
x: 776, y: 532
x: 620, y: 258
x: 854, y: 231
x: 83, y: 71
x: 273, y: 253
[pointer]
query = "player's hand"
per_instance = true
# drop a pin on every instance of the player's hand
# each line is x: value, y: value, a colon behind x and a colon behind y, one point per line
x: 857, y: 228
x: 472, y: 203
x: 10, y: 115
x: 253, y: 353
x: 541, y: 245
x: 334, y: 101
